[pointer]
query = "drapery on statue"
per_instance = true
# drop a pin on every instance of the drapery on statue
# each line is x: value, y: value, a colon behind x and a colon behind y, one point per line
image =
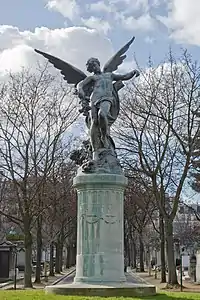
x: 98, y: 95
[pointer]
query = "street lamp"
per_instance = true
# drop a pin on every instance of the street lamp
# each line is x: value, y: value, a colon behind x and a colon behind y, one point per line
x: 181, y: 267
x: 13, y: 233
x: 15, y: 266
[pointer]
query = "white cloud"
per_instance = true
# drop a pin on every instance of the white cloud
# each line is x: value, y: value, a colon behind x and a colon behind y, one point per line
x: 101, y: 6
x: 128, y: 13
x: 149, y: 40
x: 156, y: 3
x: 131, y: 5
x: 127, y: 66
x: 98, y: 24
x: 144, y: 22
x: 183, y: 20
x: 14, y: 59
x: 68, y: 8
x: 75, y: 45
x: 11, y: 40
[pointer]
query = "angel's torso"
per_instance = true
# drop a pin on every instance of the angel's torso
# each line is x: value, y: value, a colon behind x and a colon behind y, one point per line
x: 103, y: 88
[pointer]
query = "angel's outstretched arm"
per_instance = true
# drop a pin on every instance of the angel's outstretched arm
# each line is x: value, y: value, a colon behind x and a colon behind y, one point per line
x: 82, y: 84
x: 126, y: 76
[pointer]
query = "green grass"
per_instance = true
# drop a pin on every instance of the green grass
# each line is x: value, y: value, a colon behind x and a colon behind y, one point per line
x: 40, y: 295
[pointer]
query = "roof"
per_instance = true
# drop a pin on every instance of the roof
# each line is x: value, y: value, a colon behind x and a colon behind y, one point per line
x: 7, y: 244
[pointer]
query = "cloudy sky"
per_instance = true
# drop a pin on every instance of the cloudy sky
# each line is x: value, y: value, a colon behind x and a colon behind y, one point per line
x: 77, y: 29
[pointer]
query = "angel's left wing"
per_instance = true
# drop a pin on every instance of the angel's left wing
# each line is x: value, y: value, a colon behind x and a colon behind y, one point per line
x: 116, y: 60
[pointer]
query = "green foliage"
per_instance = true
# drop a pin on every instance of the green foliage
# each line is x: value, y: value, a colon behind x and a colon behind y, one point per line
x: 13, y: 237
x: 40, y: 295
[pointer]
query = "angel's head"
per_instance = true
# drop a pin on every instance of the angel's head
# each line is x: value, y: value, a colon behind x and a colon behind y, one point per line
x: 93, y: 65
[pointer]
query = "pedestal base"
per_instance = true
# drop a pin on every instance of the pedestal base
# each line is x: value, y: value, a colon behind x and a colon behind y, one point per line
x: 111, y: 290
x: 101, y: 280
x: 100, y: 234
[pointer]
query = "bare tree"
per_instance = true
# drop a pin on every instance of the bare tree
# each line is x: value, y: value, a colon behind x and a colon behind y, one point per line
x: 157, y: 132
x: 36, y: 113
x: 60, y: 217
x: 54, y: 199
x: 187, y: 228
x: 138, y: 209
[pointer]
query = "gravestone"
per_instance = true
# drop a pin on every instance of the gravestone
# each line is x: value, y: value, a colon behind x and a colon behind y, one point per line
x: 21, y: 259
x: 192, y: 268
x: 6, y: 260
x: 198, y: 266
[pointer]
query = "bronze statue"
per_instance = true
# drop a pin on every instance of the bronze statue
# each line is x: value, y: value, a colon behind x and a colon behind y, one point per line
x: 98, y: 95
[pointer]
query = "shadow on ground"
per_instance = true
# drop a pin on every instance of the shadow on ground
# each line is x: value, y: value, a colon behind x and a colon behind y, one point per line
x: 174, y: 296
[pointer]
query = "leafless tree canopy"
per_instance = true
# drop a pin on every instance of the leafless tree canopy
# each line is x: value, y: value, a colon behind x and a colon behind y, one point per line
x: 158, y: 130
x: 158, y: 127
x: 36, y: 113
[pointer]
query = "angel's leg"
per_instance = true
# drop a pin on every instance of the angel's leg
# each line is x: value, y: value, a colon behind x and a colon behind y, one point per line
x: 103, y: 122
x: 95, y: 137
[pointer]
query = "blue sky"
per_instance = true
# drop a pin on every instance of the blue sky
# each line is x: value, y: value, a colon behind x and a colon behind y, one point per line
x: 153, y: 22
x: 29, y: 14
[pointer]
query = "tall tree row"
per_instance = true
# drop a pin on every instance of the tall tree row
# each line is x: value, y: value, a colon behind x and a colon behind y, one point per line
x: 158, y: 131
x: 36, y: 114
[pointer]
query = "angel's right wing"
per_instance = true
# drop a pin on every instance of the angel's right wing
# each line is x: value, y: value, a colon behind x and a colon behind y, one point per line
x: 71, y: 74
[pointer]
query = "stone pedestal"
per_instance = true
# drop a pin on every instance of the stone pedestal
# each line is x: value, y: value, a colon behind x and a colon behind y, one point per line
x: 100, y: 235
x: 100, y: 242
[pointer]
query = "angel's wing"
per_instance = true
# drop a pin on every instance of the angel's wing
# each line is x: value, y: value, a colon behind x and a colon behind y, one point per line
x: 116, y: 60
x: 71, y: 74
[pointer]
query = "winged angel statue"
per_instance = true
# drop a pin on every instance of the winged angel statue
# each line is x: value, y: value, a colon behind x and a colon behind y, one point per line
x: 98, y: 95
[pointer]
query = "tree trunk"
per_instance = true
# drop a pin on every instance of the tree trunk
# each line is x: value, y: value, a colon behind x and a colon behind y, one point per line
x: 162, y: 249
x: 61, y: 240
x: 172, y: 276
x: 60, y: 256
x: 73, y: 254
x: 51, y: 263
x: 134, y: 256
x: 68, y: 257
x: 39, y: 251
x: 141, y: 254
x: 57, y: 263
x: 148, y: 254
x: 28, y: 258
x: 129, y: 252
